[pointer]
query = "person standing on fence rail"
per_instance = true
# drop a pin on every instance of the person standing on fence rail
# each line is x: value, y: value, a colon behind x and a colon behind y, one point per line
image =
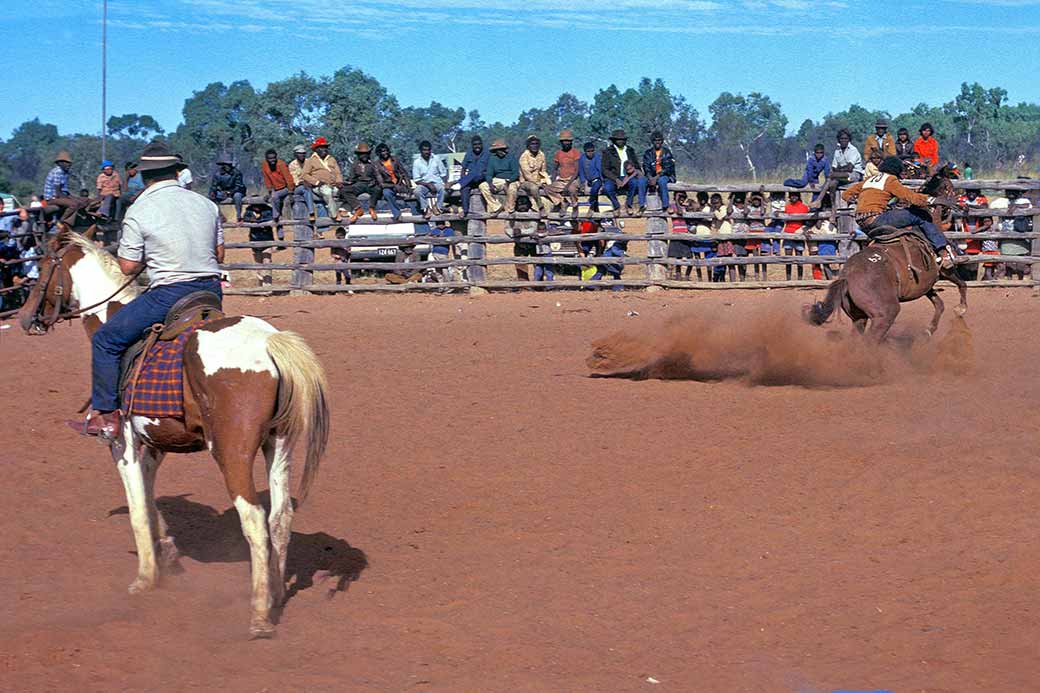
x: 279, y: 184
x: 361, y: 179
x: 659, y: 167
x: 474, y: 168
x: 873, y: 196
x: 502, y: 177
x: 301, y: 190
x: 615, y: 155
x: 322, y: 174
x: 429, y: 174
x: 392, y: 178
x: 534, y: 177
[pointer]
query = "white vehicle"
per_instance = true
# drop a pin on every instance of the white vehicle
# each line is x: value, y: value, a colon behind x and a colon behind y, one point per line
x: 380, y: 233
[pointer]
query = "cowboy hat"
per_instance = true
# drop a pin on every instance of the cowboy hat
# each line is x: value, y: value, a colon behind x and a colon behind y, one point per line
x: 566, y: 136
x: 618, y: 134
x: 156, y: 156
x: 881, y: 123
x: 320, y: 142
x: 499, y: 144
x: 362, y: 148
x: 63, y: 155
x: 225, y: 161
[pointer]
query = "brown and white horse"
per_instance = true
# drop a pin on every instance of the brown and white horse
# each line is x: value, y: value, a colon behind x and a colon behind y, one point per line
x: 247, y: 387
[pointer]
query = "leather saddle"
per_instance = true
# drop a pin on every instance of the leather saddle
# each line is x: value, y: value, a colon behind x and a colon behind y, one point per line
x: 917, y: 266
x: 895, y: 235
x: 198, y: 306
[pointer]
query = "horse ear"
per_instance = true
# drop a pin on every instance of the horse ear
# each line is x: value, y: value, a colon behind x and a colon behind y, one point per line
x: 60, y: 238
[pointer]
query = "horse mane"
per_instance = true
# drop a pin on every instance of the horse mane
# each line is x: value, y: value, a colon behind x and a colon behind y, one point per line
x: 932, y: 185
x: 105, y: 260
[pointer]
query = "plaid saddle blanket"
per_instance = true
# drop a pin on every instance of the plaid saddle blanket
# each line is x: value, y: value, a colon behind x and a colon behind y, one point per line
x: 159, y: 390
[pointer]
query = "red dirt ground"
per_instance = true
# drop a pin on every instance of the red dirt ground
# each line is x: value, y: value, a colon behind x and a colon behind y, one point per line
x: 529, y: 528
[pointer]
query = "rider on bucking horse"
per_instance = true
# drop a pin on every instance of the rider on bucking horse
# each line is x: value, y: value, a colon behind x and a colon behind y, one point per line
x: 176, y: 235
x: 873, y: 212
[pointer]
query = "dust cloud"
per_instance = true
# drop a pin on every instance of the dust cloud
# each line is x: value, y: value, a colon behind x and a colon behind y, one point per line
x: 774, y: 347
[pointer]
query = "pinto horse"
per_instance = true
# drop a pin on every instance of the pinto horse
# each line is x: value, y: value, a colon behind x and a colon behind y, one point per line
x: 874, y: 281
x: 247, y: 387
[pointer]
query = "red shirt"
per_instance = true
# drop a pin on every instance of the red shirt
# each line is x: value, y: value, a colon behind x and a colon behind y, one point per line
x: 798, y: 207
x: 567, y: 163
x: 928, y: 150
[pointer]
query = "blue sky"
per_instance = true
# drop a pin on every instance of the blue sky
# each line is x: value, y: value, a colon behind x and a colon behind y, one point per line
x: 501, y: 56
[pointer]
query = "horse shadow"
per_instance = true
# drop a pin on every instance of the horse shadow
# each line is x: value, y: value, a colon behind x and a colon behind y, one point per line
x: 204, y: 534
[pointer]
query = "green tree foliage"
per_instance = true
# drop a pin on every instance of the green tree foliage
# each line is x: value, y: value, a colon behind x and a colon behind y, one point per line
x: 743, y: 126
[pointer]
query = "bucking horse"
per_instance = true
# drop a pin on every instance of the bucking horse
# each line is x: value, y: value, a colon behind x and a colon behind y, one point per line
x: 897, y: 266
x: 246, y: 386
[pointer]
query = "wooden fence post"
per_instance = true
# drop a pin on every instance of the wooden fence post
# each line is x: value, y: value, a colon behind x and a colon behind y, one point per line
x: 656, y: 249
x: 1034, y: 250
x: 302, y: 232
x: 476, y: 228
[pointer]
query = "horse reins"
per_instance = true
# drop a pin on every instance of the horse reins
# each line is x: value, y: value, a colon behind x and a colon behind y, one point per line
x: 57, y: 268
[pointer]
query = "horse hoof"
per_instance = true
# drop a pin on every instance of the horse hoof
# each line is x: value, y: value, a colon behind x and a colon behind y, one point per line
x: 169, y: 556
x: 261, y: 630
x: 140, y: 586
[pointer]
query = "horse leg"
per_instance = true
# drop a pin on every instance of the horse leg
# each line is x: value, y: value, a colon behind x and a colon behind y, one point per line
x: 962, y: 289
x: 131, y: 463
x: 280, y: 521
x: 169, y: 556
x: 881, y: 322
x: 938, y: 304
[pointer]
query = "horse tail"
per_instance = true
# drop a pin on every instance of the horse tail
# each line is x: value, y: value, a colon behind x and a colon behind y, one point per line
x: 303, y: 408
x: 821, y: 310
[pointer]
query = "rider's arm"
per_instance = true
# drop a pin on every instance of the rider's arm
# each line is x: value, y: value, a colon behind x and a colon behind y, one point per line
x: 129, y: 266
x: 852, y: 191
x: 897, y: 189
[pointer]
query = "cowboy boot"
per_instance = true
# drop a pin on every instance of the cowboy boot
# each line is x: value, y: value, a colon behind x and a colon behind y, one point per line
x: 372, y: 213
x: 355, y: 216
x: 104, y: 425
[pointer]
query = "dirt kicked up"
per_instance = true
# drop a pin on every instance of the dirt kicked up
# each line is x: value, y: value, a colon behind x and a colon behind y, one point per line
x: 492, y: 518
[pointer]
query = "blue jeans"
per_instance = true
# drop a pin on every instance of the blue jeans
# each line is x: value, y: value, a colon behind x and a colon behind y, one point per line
x: 900, y: 218
x: 117, y: 335
x: 219, y: 196
x: 636, y: 186
x: 392, y: 202
x: 277, y: 199
x: 422, y: 194
x: 594, y: 188
x: 304, y: 194
x: 662, y: 188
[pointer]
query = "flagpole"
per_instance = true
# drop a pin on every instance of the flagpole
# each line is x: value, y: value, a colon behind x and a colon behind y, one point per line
x: 104, y: 76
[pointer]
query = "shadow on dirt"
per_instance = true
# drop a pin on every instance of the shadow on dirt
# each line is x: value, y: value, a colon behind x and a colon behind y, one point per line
x: 208, y: 536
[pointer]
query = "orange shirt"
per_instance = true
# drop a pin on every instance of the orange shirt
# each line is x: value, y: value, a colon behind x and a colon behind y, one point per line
x: 567, y: 163
x: 928, y: 150
x: 389, y: 166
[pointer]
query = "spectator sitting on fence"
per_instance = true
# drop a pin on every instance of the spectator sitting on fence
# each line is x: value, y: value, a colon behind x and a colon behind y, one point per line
x: 720, y: 225
x: 523, y: 232
x: 926, y: 147
x: 227, y: 186
x: 360, y: 180
x: 565, y: 165
x: 392, y: 178
x: 474, y: 168
x: 904, y: 146
x: 428, y: 174
x: 279, y: 183
x: 56, y: 191
x: 134, y: 184
x: 659, y: 167
x: 757, y: 213
x: 502, y: 177
x: 322, y: 175
x: 816, y: 165
x: 974, y: 200
x: 823, y: 247
x: 534, y: 177
x: 792, y: 248
x: 590, y: 172
x: 341, y: 254
x: 680, y: 249
x: 109, y: 188
x: 738, y: 218
x: 847, y: 158
x: 615, y: 176
x: 1014, y: 246
x: 301, y: 189
x: 881, y: 141
x: 260, y: 213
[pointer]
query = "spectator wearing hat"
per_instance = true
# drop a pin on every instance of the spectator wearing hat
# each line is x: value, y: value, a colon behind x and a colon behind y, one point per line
x: 392, y: 178
x: 322, y: 175
x: 360, y: 180
x: 534, y: 176
x: 502, y: 177
x: 847, y: 158
x: 880, y: 141
x: 904, y: 145
x: 227, y: 185
x: 109, y: 188
x: 590, y: 173
x: 474, y: 168
x: 926, y: 147
x: 428, y: 174
x: 56, y: 190
x: 134, y: 185
x: 184, y: 177
x: 659, y: 167
x: 615, y: 155
x: 565, y: 167
x: 815, y: 165
x: 302, y: 193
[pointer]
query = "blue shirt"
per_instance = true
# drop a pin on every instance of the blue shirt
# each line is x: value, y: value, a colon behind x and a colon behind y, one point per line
x: 56, y: 184
x: 590, y: 169
x: 443, y: 232
x: 431, y: 171
x: 474, y: 167
x: 134, y: 184
x: 814, y: 167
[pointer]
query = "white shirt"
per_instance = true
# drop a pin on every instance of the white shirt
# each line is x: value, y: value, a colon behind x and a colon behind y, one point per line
x: 184, y: 178
x: 849, y: 155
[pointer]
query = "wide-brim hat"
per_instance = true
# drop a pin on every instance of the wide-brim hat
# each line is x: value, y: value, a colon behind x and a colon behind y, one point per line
x: 320, y: 142
x: 63, y: 155
x: 618, y: 134
x: 224, y: 161
x: 157, y: 156
x: 881, y: 123
x: 566, y: 136
x: 499, y: 144
x: 363, y: 148
x: 300, y: 149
